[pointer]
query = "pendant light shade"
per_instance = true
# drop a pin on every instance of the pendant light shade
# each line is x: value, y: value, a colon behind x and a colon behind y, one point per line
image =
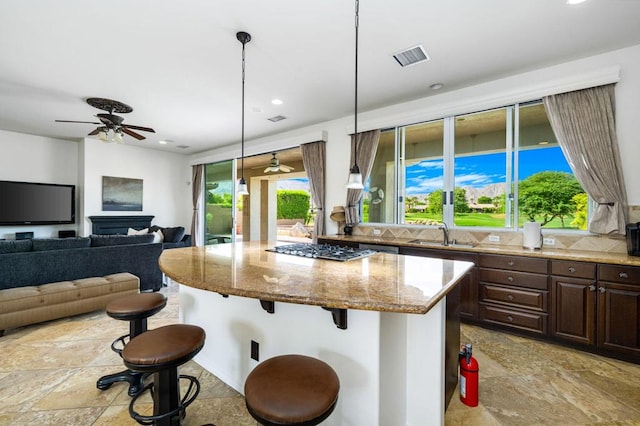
x: 355, y: 177
x: 244, y: 38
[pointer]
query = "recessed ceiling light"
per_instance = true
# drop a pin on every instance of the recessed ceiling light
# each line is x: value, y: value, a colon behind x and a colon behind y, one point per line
x: 436, y: 86
x: 276, y: 102
x: 575, y: 1
x: 543, y: 143
x: 277, y: 118
x: 165, y: 141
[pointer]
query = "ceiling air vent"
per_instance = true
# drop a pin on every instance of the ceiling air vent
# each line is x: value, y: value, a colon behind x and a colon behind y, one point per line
x: 411, y: 56
x: 277, y: 118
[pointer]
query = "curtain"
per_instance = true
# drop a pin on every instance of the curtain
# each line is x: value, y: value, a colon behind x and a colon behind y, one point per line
x: 197, y: 229
x: 584, y: 124
x: 367, y: 145
x: 314, y: 160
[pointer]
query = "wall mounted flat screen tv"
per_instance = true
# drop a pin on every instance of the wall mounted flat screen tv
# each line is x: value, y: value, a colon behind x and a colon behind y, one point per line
x: 27, y: 203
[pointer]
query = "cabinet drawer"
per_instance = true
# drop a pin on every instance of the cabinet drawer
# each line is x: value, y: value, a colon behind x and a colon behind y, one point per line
x: 527, y: 299
x: 573, y: 269
x: 511, y: 278
x: 514, y: 263
x: 619, y: 274
x: 530, y: 321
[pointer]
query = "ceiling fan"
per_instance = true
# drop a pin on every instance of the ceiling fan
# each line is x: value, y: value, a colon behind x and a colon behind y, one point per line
x: 275, y: 166
x: 110, y: 121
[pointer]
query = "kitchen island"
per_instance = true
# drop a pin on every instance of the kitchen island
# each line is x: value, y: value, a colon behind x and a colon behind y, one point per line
x: 379, y: 321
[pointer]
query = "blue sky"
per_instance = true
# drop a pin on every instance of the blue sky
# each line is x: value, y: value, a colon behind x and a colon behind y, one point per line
x: 479, y: 171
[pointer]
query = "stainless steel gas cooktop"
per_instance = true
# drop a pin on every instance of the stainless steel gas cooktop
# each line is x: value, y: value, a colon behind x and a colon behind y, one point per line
x: 323, y: 251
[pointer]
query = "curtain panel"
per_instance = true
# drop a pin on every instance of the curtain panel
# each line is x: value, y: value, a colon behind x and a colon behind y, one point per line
x: 367, y: 145
x: 197, y: 227
x: 314, y: 161
x: 584, y: 124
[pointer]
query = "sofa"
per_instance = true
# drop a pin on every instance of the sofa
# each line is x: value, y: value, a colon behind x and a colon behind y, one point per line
x: 42, y: 261
x: 170, y: 237
x: 20, y: 306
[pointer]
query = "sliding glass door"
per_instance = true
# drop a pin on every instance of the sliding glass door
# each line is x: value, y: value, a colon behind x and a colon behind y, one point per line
x: 218, y: 195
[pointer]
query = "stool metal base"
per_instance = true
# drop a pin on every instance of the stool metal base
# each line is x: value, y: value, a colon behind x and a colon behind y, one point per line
x: 168, y: 408
x: 135, y: 380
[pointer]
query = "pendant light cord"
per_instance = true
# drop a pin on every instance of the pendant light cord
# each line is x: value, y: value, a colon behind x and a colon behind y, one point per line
x: 242, y: 135
x: 355, y: 168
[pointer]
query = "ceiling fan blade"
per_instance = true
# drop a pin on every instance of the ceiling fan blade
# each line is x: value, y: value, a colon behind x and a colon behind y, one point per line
x: 132, y: 133
x: 267, y: 169
x: 144, y: 129
x: 95, y: 132
x: 286, y: 169
x: 70, y: 121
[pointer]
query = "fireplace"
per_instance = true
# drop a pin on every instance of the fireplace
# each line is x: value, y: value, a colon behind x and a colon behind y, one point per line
x: 106, y: 225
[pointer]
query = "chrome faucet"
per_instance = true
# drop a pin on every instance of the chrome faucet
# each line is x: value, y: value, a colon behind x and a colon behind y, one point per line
x: 445, y: 231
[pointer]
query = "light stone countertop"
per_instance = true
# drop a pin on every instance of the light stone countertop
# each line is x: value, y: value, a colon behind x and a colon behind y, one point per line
x: 549, y: 253
x: 380, y: 282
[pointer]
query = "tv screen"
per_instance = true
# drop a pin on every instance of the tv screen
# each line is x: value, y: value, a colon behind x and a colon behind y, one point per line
x: 27, y: 203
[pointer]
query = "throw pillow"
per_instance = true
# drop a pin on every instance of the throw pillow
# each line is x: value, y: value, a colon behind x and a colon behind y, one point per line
x: 157, y: 236
x: 154, y: 228
x: 173, y: 235
x: 132, y: 231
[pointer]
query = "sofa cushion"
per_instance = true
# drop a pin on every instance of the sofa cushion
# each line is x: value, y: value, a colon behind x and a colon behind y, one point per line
x: 42, y: 244
x: 15, y: 246
x: 116, y: 240
x: 173, y: 235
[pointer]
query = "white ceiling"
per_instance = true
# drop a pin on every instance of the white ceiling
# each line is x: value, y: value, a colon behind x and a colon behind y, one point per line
x: 178, y: 63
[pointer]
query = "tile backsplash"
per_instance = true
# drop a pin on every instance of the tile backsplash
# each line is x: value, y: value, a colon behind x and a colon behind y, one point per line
x: 562, y: 240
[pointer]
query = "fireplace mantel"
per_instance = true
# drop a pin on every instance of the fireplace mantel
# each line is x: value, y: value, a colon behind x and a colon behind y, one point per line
x: 105, y: 225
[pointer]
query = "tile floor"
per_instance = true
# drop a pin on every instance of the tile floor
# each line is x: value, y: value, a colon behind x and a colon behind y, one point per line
x: 48, y: 374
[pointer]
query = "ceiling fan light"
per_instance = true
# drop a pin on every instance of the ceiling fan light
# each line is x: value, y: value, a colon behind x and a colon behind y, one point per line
x: 117, y: 137
x: 274, y: 168
x: 102, y: 135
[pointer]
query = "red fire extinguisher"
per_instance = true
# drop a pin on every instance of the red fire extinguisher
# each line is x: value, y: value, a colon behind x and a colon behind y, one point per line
x: 468, y: 377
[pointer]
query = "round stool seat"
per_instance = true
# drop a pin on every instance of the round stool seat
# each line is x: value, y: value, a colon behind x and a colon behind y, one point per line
x: 291, y: 390
x: 140, y: 305
x: 163, y: 347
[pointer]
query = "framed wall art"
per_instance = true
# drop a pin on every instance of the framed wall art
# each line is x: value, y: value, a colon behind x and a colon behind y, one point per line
x: 121, y: 194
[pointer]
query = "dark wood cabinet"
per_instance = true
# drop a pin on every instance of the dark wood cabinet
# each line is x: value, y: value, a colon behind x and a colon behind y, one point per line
x: 573, y: 294
x: 619, y: 309
x: 514, y: 292
x: 601, y: 311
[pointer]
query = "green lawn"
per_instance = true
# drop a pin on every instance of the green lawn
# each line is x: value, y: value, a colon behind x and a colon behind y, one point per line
x: 494, y: 220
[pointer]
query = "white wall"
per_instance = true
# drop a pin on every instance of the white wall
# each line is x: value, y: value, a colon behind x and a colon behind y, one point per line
x: 166, y: 177
x: 588, y: 72
x: 166, y: 182
x: 30, y: 158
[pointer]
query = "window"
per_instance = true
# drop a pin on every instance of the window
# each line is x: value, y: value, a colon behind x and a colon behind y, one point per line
x: 495, y: 168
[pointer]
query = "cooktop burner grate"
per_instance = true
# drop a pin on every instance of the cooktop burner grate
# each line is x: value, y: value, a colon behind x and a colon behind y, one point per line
x: 323, y: 251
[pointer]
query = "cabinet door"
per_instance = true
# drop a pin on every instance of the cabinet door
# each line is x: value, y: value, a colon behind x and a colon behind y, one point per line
x: 574, y: 309
x: 619, y: 318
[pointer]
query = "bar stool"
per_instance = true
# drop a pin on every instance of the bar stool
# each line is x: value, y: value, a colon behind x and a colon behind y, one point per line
x: 135, y: 309
x: 160, y: 352
x: 291, y: 390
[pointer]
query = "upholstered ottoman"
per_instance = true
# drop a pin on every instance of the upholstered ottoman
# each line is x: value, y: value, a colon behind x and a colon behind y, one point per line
x: 30, y: 305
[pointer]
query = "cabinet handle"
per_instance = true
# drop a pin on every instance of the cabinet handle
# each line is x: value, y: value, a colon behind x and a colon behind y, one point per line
x: 510, y: 279
x: 509, y: 318
x: 602, y: 289
x: 572, y: 269
x: 592, y: 287
x: 623, y: 275
x: 510, y: 296
x: 511, y: 263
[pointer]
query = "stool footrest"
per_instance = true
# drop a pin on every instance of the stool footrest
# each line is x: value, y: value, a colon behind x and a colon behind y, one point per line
x: 120, y: 340
x: 188, y: 398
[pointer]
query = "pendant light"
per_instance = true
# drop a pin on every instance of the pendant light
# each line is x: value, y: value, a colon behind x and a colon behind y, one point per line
x: 355, y: 177
x: 243, y: 38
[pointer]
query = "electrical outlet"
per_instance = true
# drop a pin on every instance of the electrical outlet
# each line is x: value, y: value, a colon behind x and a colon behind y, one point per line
x: 549, y: 241
x: 494, y: 238
x: 376, y: 232
x: 255, y: 350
